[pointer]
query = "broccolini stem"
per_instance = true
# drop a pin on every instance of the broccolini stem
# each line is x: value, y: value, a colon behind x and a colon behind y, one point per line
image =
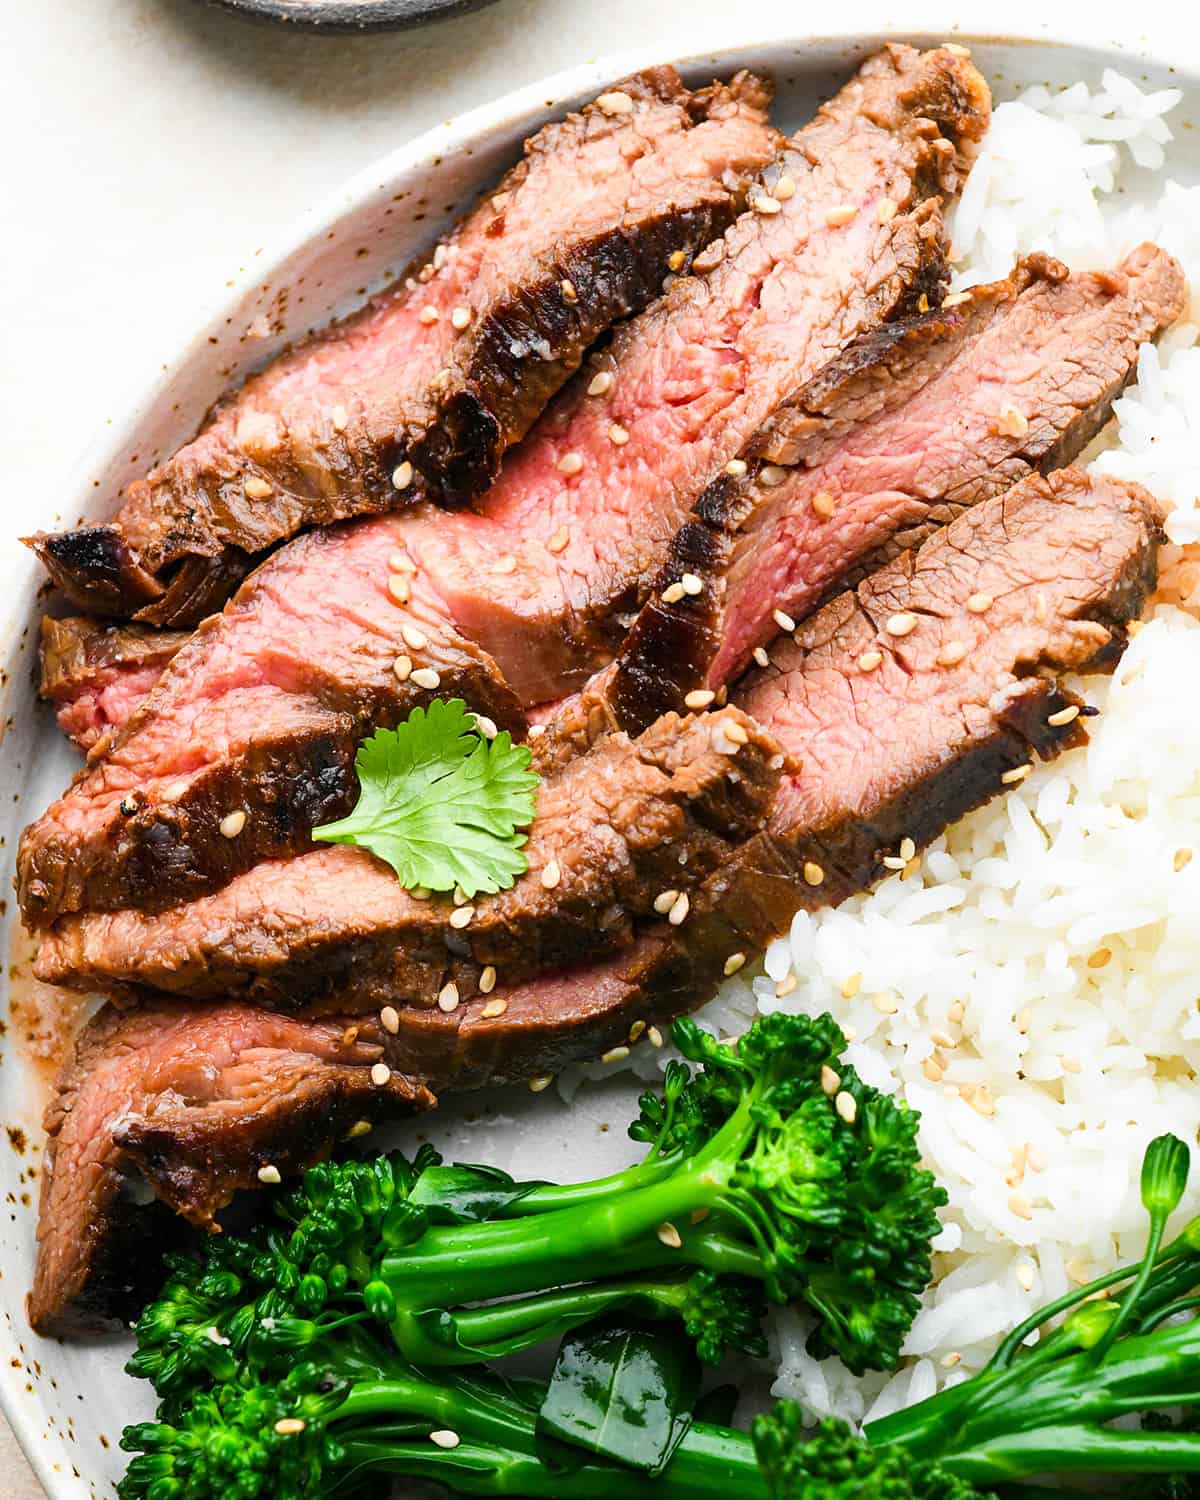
x: 552, y: 1196
x: 1077, y: 1449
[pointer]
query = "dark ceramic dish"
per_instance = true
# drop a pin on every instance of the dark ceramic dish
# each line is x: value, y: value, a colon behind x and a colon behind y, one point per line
x: 349, y: 15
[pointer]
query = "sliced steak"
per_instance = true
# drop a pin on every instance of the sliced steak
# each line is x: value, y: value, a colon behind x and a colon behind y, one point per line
x: 1036, y: 583
x: 844, y: 233
x: 258, y: 715
x: 449, y: 368
x: 98, y: 674
x: 197, y: 1103
x: 913, y: 424
x: 621, y: 832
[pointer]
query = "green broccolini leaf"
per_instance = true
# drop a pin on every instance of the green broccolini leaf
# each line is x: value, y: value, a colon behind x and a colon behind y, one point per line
x: 441, y: 804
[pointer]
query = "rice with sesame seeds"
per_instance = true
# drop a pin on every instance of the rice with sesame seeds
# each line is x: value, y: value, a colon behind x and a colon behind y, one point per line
x: 1029, y: 981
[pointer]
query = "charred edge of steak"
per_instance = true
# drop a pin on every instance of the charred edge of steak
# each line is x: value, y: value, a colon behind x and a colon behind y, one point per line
x: 75, y: 652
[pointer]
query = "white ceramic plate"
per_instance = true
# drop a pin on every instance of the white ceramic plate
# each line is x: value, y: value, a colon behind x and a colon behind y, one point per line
x: 68, y: 1403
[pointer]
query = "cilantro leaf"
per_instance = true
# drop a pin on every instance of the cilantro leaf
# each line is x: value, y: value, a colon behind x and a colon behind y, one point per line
x: 442, y: 805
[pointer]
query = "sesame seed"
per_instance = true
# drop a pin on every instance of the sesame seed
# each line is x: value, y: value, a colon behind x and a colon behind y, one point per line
x: 851, y: 986
x: 784, y: 621
x: 1041, y: 609
x: 785, y: 986
x: 551, y: 875
x: 444, y: 1438
x: 399, y: 589
x: 288, y: 1426
x: 885, y: 210
x: 504, y: 564
x: 952, y: 653
x: 839, y: 214
x: 636, y: 1030
x: 389, y: 1019
x: 349, y: 1036
x: 570, y: 463
x: 942, y: 1039
x: 692, y: 584
x: 614, y: 1055
x: 763, y: 203
x: 901, y: 624
x: 400, y: 562
x: 448, y: 997
x: 932, y: 1070
x: 601, y: 383
x: 487, y: 980
x: 1183, y: 858
x: 785, y: 188
x: 256, y: 488
x: 176, y: 790
x: 494, y: 1008
x: 813, y: 873
x: 428, y: 314
x: 440, y: 256
x: 232, y: 824
x: 1018, y: 1205
x: 823, y: 504
x: 461, y: 917
x: 340, y: 418
x: 699, y: 698
x: 1070, y: 1064
x: 733, y: 963
x: 558, y: 541
x: 402, y: 667
x: 956, y: 299
x: 664, y: 901
x: 486, y: 727
x: 499, y: 200
x: 676, y: 260
x: 907, y: 849
x: 414, y: 637
x: 1018, y: 773
x: 956, y: 49
x: 654, y: 1036
x: 846, y: 1107
x: 669, y: 1235
x: 981, y: 1100
x: 1012, y: 423
x: 831, y: 1082
x: 885, y: 1004
x: 869, y: 660
x: 540, y: 1082
x: 460, y: 318
x: 770, y: 476
x: 979, y: 604
x: 955, y: 1012
x: 618, y: 435
x: 618, y: 102
x: 760, y: 656
x: 734, y: 732
x: 893, y: 862
x: 568, y: 290
x: 359, y: 1128
x: 380, y: 1074
x: 679, y: 909
x: 536, y: 731
x: 951, y: 1359
x: 269, y: 1175
x: 427, y: 678
x: 1064, y: 716
x: 673, y: 593
x: 736, y: 467
x: 402, y: 475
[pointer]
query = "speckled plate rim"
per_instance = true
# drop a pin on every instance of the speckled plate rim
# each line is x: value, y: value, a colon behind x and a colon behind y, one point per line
x: 332, y: 17
x: 480, y: 139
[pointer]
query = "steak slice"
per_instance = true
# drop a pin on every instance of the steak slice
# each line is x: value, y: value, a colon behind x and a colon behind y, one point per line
x: 913, y: 424
x: 707, y: 365
x: 578, y: 235
x: 259, y: 714
x: 580, y: 520
x: 615, y: 830
x: 197, y: 1102
x: 954, y: 711
x: 98, y: 674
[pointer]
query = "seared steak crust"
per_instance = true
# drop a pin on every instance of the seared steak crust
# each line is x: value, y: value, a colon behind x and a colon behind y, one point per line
x: 914, y: 423
x: 259, y: 714
x: 196, y: 1102
x: 615, y: 829
x: 578, y: 235
x: 97, y: 674
x: 577, y: 525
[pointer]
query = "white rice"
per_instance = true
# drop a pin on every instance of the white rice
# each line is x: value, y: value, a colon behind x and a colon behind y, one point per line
x: 1053, y: 936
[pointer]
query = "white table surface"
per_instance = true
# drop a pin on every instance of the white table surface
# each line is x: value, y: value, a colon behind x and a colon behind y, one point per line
x: 154, y: 145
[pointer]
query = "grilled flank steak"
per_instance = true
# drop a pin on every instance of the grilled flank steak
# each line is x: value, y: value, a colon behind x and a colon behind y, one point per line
x: 426, y: 386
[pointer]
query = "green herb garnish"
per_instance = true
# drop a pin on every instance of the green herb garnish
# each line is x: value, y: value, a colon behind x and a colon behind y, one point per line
x: 441, y: 804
